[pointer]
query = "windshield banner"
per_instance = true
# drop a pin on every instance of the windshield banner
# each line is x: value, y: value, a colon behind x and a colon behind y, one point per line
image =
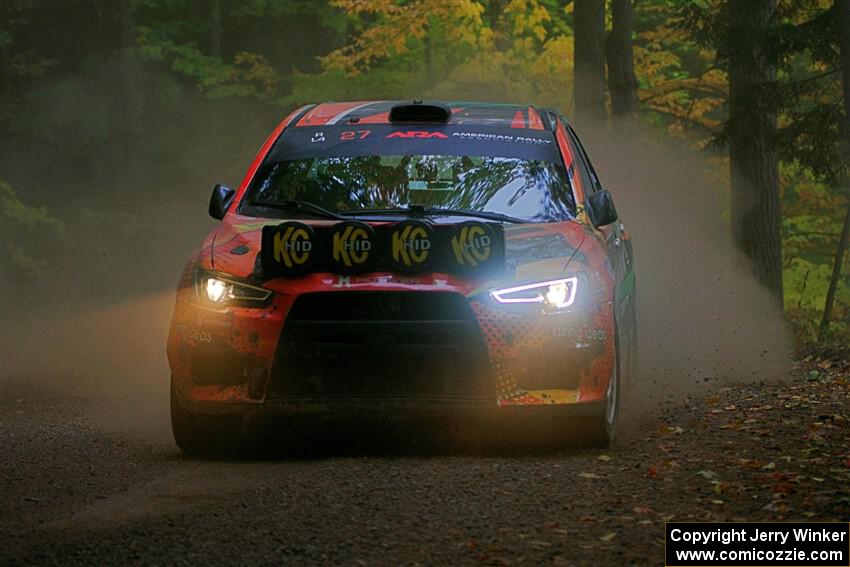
x: 394, y: 139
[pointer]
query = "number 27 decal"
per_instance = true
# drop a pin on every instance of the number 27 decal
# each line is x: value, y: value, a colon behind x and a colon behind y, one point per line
x: 354, y: 134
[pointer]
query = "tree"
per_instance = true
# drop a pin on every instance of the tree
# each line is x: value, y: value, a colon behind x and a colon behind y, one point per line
x: 589, y: 59
x: 748, y: 44
x: 622, y: 82
x: 511, y: 51
x: 397, y: 24
x: 842, y: 13
x: 215, y: 28
x: 124, y: 129
x: 751, y: 130
x: 23, y: 229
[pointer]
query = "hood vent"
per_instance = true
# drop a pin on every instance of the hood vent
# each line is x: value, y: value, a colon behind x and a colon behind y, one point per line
x: 420, y: 112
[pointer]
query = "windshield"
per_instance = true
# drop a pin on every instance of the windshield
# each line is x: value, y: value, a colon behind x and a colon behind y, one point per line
x: 527, y: 189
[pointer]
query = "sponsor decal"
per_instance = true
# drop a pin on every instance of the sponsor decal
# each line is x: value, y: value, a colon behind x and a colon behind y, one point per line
x: 318, y: 137
x: 487, y: 137
x: 411, y: 244
x: 292, y: 247
x: 351, y: 245
x: 472, y: 243
x: 417, y: 134
x: 289, y: 247
x: 341, y: 281
x: 580, y: 333
x: 200, y: 336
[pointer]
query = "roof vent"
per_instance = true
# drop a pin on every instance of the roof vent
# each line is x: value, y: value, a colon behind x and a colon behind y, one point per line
x: 420, y: 112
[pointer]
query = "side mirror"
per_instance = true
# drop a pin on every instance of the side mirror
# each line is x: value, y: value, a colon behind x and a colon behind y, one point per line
x: 220, y: 200
x: 601, y: 208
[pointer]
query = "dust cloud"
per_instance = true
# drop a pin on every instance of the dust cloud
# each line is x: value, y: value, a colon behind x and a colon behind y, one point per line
x: 703, y: 320
x: 110, y: 357
x: 130, y: 181
x: 98, y: 330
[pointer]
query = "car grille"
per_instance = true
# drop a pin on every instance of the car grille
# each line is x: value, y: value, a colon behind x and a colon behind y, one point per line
x: 381, y: 345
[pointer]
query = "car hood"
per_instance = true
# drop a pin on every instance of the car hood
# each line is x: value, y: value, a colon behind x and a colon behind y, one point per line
x: 534, y: 250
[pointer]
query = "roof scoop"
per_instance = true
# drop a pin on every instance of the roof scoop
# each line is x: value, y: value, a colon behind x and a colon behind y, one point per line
x: 420, y: 112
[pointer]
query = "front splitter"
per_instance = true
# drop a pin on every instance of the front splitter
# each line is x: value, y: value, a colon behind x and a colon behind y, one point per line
x: 394, y: 407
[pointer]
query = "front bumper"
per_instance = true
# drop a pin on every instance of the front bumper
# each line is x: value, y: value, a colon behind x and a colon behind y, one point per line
x: 234, y: 360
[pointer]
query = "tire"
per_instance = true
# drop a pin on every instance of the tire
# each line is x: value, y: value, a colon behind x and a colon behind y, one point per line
x: 629, y: 369
x: 601, y: 429
x: 204, y: 434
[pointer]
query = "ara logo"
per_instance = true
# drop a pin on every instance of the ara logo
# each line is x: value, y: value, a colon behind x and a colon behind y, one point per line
x: 417, y: 134
x: 292, y: 245
x: 352, y: 242
x: 472, y: 243
x: 411, y: 244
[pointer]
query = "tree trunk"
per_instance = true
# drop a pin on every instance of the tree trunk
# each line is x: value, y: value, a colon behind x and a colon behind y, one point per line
x: 125, y: 15
x: 213, y: 109
x: 589, y: 59
x: 753, y: 158
x: 5, y: 66
x: 622, y: 83
x: 429, y: 62
x: 836, y: 274
x: 124, y: 122
x: 215, y: 28
x: 842, y: 8
x: 493, y: 13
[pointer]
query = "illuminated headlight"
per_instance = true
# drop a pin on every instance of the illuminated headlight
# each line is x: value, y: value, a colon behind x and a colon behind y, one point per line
x: 216, y: 290
x: 553, y: 294
x: 220, y: 290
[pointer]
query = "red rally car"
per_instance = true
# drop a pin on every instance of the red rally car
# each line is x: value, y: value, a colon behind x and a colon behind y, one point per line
x: 393, y: 257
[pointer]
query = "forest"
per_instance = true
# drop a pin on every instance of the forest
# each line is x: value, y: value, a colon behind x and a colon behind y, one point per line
x: 117, y: 116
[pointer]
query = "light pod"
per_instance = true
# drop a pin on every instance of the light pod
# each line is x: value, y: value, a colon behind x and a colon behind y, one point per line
x: 289, y: 248
x: 411, y: 246
x: 352, y: 247
x: 472, y: 246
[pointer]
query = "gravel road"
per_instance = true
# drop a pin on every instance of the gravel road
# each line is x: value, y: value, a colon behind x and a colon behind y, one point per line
x: 88, y: 480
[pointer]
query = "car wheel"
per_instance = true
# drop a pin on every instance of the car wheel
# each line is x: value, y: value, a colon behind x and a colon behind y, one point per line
x: 602, y: 428
x: 629, y: 370
x: 200, y: 434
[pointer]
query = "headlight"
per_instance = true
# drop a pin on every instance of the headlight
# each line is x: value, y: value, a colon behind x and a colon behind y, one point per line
x: 552, y: 294
x: 218, y: 289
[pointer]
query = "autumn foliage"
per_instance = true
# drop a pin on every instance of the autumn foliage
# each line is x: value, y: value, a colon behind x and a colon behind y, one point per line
x: 282, y: 53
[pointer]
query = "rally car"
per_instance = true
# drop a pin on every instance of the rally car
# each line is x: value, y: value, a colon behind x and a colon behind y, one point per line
x: 393, y: 257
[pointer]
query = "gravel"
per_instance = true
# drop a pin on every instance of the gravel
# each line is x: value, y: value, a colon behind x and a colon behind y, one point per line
x: 80, y: 486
